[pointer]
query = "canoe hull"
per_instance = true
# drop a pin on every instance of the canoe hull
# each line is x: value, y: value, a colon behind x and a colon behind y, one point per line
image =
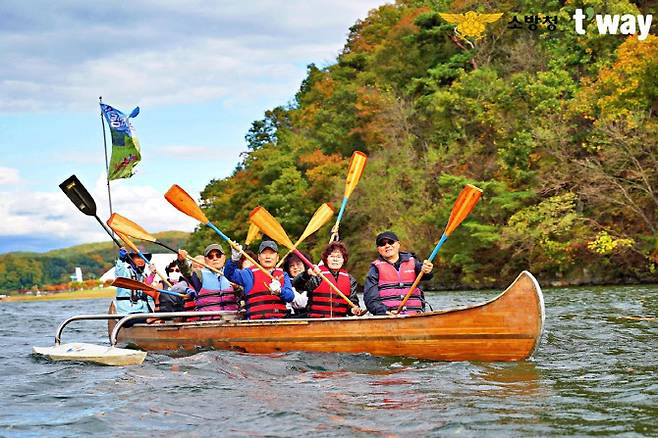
x: 507, y: 328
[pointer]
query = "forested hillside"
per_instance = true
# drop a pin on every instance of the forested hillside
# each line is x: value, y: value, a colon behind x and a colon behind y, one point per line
x: 23, y: 270
x: 559, y: 129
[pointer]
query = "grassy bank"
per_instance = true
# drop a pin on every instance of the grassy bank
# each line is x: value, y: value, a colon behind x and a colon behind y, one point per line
x: 75, y: 295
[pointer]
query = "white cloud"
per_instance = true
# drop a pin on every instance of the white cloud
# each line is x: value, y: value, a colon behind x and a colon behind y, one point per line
x: 51, y: 216
x: 8, y: 175
x: 157, y: 54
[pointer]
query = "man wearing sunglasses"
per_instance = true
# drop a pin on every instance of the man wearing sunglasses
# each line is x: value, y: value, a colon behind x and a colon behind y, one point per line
x: 390, y: 277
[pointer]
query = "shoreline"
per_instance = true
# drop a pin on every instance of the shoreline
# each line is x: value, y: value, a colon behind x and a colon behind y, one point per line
x: 88, y: 294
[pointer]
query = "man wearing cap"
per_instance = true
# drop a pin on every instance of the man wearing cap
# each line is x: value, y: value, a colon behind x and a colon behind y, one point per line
x: 213, y: 291
x: 131, y: 265
x: 391, y: 276
x: 265, y: 298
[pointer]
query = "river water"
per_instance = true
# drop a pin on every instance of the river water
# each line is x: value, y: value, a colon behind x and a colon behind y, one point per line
x: 595, y: 373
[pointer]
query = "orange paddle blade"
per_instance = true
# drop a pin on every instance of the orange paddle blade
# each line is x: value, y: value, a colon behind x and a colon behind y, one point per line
x: 127, y: 227
x: 270, y: 226
x: 464, y: 204
x: 354, y: 172
x: 320, y: 217
x: 252, y: 234
x: 183, y: 202
x: 128, y: 283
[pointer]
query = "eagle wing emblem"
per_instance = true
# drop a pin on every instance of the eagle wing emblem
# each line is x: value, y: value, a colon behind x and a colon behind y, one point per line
x: 453, y: 18
x: 489, y: 18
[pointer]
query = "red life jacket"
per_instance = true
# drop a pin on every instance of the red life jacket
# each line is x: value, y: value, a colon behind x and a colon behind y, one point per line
x: 260, y: 303
x: 324, y: 301
x: 394, y: 285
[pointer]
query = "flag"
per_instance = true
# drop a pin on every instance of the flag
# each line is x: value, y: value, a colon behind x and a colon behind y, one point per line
x: 125, y: 146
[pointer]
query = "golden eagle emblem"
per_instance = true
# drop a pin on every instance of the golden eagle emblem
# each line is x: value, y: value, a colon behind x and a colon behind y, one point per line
x: 470, y: 24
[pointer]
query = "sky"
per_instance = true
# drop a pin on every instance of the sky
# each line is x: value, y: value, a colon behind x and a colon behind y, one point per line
x: 200, y: 71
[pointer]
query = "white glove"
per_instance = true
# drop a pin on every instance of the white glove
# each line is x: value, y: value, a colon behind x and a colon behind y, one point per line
x: 275, y: 287
x: 236, y: 255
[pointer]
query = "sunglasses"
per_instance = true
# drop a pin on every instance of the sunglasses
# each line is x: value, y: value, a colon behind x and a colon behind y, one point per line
x: 385, y: 242
x: 174, y: 270
x: 214, y: 255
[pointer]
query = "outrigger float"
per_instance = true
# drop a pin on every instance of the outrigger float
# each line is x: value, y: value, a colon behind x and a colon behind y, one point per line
x: 506, y: 328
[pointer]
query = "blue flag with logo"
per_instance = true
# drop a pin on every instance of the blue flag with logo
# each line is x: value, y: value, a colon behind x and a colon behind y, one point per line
x: 125, y: 146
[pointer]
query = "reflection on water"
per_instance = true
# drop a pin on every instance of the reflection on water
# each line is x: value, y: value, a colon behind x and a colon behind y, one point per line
x: 595, y: 373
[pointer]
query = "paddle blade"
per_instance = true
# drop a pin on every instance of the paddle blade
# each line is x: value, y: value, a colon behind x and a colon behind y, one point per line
x: 320, y: 217
x: 125, y: 226
x: 184, y: 203
x: 78, y: 194
x: 464, y: 204
x: 252, y: 234
x: 270, y: 226
x: 128, y: 283
x: 354, y: 172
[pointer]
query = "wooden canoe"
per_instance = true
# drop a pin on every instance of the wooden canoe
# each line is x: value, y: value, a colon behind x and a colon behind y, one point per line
x: 506, y: 328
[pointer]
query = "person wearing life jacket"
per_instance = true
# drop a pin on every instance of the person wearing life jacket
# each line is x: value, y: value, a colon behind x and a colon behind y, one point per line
x: 391, y: 276
x: 264, y: 298
x: 295, y: 268
x: 213, y: 291
x: 324, y: 302
x: 131, y: 265
x: 180, y: 284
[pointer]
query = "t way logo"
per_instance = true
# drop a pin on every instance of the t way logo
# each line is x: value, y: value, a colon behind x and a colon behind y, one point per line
x: 470, y: 24
x: 626, y: 24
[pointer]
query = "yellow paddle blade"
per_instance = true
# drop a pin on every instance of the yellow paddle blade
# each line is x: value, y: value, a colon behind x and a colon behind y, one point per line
x: 354, y: 172
x: 127, y: 227
x: 464, y: 204
x: 128, y: 283
x: 184, y: 202
x: 252, y: 234
x: 270, y: 226
x: 320, y: 217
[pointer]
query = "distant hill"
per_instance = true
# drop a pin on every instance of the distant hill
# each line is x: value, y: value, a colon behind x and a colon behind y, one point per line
x: 23, y: 270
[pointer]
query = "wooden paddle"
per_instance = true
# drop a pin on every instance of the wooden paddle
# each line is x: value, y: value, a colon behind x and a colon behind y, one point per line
x: 354, y: 172
x: 129, y: 228
x: 78, y: 194
x: 469, y: 196
x: 129, y: 283
x: 136, y: 250
x: 320, y: 217
x: 270, y: 226
x: 184, y: 203
x: 253, y: 234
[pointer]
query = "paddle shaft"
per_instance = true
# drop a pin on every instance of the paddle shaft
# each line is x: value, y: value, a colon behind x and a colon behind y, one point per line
x: 334, y: 229
x: 236, y: 246
x: 413, y: 287
x: 333, y: 286
x: 108, y: 231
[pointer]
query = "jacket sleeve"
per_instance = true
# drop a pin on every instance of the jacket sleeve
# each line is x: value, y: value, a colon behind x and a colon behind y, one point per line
x: 195, y: 281
x: 287, y: 294
x: 185, y: 268
x: 371, y: 293
x: 242, y: 277
x: 354, y: 289
x: 312, y: 283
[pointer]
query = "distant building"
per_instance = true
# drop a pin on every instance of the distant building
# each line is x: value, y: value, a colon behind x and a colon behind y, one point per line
x: 78, y: 274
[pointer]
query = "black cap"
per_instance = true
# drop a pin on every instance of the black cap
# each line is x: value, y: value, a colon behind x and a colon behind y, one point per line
x: 147, y: 255
x: 267, y: 244
x: 213, y: 247
x: 386, y: 235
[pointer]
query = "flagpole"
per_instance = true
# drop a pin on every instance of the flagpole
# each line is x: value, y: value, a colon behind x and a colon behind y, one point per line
x: 107, y: 165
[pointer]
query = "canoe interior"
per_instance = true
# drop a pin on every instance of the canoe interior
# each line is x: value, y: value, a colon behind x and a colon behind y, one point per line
x: 506, y: 328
